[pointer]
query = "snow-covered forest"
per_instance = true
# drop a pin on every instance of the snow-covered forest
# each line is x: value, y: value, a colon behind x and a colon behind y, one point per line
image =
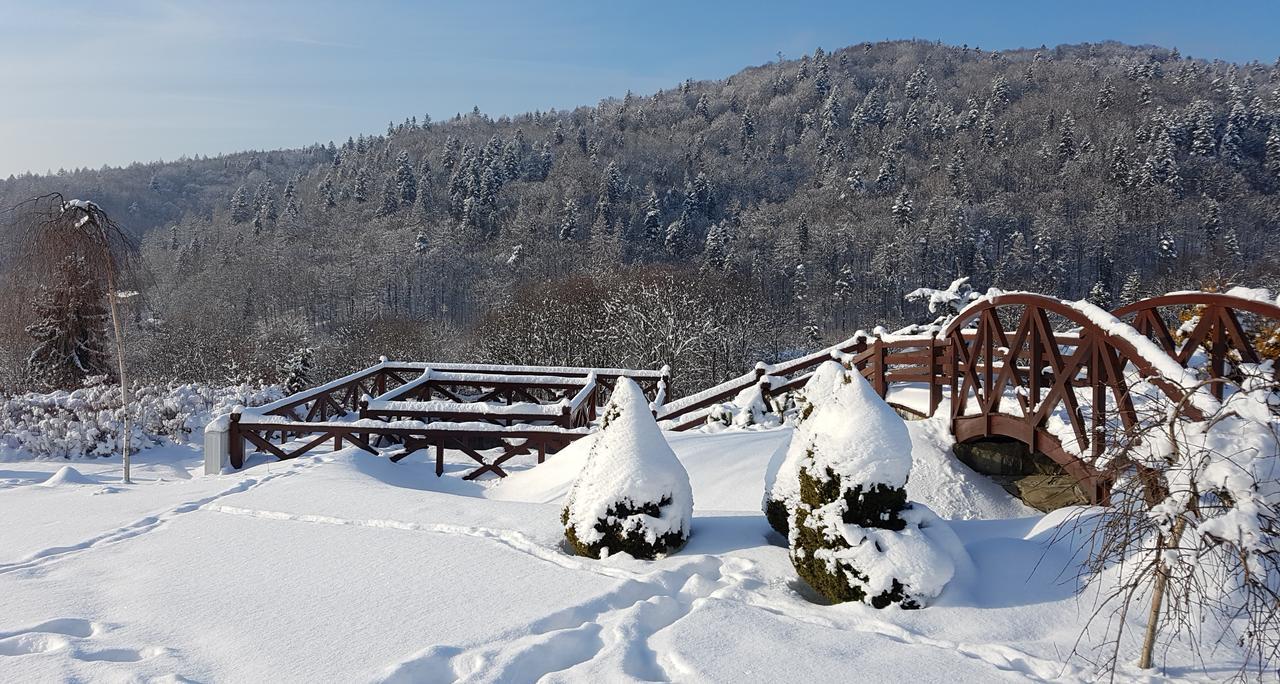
x: 707, y: 226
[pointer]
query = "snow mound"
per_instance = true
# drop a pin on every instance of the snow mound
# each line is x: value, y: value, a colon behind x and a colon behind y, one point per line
x: 67, y: 475
x: 949, y: 487
x: 632, y: 493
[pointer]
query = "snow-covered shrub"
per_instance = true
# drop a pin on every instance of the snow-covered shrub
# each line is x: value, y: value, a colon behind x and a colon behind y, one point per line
x: 632, y: 495
x: 853, y: 534
x: 1193, y: 528
x: 749, y: 408
x: 88, y: 421
x: 782, y: 477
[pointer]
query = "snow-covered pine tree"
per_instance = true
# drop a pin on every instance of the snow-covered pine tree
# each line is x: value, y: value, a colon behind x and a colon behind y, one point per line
x: 1067, y: 140
x: 1200, y: 114
x: 1106, y: 96
x: 653, y: 219
x: 1273, y: 150
x: 406, y: 182
x: 569, y: 220
x: 241, y: 209
x: 70, y: 331
x: 1133, y: 289
x: 328, y: 197
x: 633, y: 494
x: 1100, y: 296
x: 295, y: 374
x: 853, y: 535
x: 360, y: 192
x: 901, y: 210
x: 390, y: 202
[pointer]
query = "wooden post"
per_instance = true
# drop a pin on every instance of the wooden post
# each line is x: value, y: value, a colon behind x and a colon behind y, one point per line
x: 878, y: 377
x: 439, y: 458
x: 237, y: 442
x: 859, y: 347
x: 935, y: 388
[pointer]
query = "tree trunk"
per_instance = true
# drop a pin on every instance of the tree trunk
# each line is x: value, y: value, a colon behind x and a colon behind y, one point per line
x: 1157, y: 598
x: 124, y: 380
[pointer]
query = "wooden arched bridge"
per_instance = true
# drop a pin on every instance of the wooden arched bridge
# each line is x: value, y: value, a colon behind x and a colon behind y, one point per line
x: 1055, y: 375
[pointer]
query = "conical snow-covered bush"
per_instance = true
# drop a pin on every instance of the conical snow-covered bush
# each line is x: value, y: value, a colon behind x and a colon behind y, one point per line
x: 632, y: 495
x: 853, y: 534
x: 782, y: 477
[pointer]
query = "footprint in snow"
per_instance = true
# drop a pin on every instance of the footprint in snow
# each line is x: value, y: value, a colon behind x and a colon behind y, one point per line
x: 75, y: 635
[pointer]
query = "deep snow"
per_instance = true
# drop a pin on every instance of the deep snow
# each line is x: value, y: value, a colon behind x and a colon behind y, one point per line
x: 346, y: 567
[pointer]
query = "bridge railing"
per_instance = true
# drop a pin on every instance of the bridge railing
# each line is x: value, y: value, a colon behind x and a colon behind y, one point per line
x: 883, y: 360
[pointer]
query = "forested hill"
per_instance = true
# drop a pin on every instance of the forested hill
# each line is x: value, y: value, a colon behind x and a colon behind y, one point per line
x: 795, y: 201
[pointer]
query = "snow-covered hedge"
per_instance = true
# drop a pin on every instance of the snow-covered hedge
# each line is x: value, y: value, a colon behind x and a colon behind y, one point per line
x: 853, y: 534
x: 782, y: 477
x: 88, y: 422
x: 633, y: 494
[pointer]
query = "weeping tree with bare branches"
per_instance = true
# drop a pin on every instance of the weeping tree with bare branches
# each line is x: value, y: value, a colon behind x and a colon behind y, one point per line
x: 1191, y: 539
x: 76, y: 242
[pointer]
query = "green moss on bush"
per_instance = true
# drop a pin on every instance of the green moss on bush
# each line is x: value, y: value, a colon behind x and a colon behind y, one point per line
x: 617, y: 539
x: 878, y: 507
x: 776, y: 512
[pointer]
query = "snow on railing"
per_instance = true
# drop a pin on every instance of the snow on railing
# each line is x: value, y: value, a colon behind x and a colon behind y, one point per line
x: 584, y: 394
x: 570, y: 371
x: 461, y: 407
x: 741, y: 382
x: 306, y: 395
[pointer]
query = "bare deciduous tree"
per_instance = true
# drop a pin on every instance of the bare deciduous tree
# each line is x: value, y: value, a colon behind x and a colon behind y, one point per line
x: 48, y: 229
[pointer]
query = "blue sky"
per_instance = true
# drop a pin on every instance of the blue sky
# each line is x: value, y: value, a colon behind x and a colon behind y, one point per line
x: 92, y: 83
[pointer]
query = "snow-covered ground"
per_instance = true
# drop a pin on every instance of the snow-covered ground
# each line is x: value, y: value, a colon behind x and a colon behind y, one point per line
x: 347, y: 567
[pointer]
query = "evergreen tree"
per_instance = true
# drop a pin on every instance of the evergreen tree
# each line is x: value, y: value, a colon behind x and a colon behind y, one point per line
x: 679, y: 235
x: 703, y: 107
x: 1273, y: 149
x: 901, y: 210
x: 327, y: 197
x: 610, y: 191
x: 1133, y: 289
x: 747, y: 130
x: 1067, y: 140
x: 1106, y: 96
x: 653, y: 219
x: 405, y: 181
x: 1100, y: 296
x: 390, y: 202
x: 1203, y: 142
x: 1161, y: 167
x: 360, y: 192
x: 295, y: 375
x: 241, y: 209
x: 715, y: 250
x: 70, y: 331
x: 1232, y: 136
x: 569, y: 220
x: 1211, y: 224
